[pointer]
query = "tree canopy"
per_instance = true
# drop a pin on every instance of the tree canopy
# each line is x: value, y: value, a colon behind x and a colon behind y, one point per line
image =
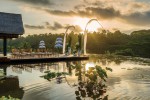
x: 135, y: 44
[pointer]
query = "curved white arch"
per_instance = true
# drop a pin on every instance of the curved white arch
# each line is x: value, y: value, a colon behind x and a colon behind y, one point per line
x: 85, y: 33
x: 64, y: 42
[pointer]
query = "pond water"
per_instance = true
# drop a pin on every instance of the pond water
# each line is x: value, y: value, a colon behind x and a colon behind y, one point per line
x: 129, y: 80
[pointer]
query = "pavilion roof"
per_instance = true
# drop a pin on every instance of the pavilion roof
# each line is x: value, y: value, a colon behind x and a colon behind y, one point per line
x: 11, y: 24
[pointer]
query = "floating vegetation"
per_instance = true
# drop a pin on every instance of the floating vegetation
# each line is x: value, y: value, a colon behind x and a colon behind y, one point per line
x: 129, y: 68
x: 1, y: 73
x: 51, y: 75
x: 93, y: 86
x: 123, y: 68
x: 91, y: 82
x: 8, y: 98
x: 136, y: 68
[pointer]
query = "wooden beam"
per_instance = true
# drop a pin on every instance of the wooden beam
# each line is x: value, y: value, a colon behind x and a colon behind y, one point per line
x: 8, y: 36
x: 5, y: 46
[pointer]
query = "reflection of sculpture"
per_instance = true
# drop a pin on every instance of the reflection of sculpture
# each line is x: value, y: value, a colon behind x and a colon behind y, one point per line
x: 69, y: 67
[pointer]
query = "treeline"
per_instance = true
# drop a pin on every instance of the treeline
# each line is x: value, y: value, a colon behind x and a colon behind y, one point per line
x: 135, y: 44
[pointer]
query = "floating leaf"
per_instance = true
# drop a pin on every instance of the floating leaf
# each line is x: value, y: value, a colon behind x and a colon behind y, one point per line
x: 110, y: 69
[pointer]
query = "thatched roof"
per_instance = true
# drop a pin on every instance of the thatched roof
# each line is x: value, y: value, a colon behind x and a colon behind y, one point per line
x: 11, y: 24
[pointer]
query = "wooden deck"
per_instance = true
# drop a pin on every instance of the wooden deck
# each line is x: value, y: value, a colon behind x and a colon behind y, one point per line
x: 5, y: 60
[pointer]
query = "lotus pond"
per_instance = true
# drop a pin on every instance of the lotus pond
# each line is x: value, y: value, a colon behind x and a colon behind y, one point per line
x: 121, y: 78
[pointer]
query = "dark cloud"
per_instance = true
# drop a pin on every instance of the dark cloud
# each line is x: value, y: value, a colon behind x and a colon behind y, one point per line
x: 79, y: 6
x: 89, y: 12
x: 137, y: 5
x: 61, y: 13
x: 33, y: 26
x: 39, y: 2
x: 95, y: 3
x: 56, y: 26
x: 104, y: 13
x: 77, y: 28
x: 47, y: 23
x: 137, y: 18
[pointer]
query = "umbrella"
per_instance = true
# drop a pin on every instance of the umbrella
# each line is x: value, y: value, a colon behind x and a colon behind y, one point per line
x: 58, y: 42
x: 59, y: 39
x: 42, y: 44
x: 58, y: 46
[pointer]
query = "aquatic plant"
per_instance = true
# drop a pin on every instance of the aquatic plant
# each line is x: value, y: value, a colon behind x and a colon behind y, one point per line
x: 1, y: 73
x: 51, y: 75
x: 91, y: 82
x: 8, y: 98
x: 93, y: 85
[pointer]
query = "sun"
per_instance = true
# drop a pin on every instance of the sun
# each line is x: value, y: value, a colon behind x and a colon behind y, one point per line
x: 93, y: 26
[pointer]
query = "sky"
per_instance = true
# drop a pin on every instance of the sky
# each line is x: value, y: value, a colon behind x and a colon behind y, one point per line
x: 53, y: 16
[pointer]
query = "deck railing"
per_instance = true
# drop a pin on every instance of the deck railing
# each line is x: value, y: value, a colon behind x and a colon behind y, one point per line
x: 29, y: 53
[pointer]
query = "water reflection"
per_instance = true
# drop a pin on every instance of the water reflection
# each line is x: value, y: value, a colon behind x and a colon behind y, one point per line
x: 9, y: 85
x: 130, y: 79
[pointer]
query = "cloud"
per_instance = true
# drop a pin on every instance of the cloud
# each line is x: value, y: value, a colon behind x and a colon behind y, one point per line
x: 55, y: 26
x: 79, y: 6
x: 137, y: 18
x: 33, y: 26
x: 77, y: 28
x: 109, y: 13
x: 104, y: 13
x: 60, y: 13
x: 39, y: 2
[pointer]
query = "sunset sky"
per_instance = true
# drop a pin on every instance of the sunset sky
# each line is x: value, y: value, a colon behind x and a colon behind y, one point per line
x: 52, y: 16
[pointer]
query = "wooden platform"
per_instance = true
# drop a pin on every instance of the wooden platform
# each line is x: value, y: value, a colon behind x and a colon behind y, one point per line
x: 42, y: 60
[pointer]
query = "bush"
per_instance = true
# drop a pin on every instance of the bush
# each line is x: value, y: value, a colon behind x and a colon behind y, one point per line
x: 126, y: 52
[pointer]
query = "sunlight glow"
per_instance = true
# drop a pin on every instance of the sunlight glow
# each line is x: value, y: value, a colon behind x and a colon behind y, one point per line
x: 88, y: 65
x: 93, y: 26
x: 81, y: 22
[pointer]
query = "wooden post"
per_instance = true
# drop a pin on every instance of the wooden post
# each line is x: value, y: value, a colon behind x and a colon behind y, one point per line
x: 5, y: 46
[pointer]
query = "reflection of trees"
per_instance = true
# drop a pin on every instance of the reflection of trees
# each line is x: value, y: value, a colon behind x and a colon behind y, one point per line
x: 90, y: 82
x: 69, y: 67
x: 10, y: 86
x: 4, y: 67
x: 29, y: 67
x: 107, y: 59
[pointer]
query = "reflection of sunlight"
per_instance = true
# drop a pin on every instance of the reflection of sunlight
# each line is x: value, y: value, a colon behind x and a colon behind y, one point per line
x: 88, y: 65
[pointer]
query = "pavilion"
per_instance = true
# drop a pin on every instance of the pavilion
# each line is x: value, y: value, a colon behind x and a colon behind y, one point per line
x: 11, y: 26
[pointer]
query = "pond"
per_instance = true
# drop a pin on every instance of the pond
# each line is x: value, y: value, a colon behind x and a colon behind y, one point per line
x: 129, y: 80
